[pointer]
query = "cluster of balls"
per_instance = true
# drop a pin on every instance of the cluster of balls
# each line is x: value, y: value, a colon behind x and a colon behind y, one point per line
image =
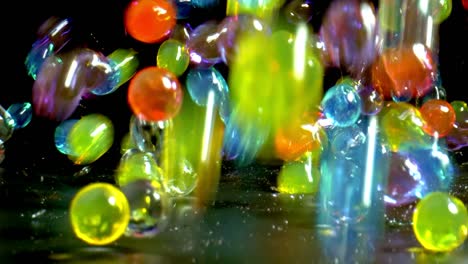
x: 386, y: 120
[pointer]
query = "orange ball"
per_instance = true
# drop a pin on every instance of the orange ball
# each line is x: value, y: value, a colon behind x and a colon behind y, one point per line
x: 294, y: 140
x: 155, y: 94
x: 150, y: 21
x: 405, y: 71
x: 439, y: 117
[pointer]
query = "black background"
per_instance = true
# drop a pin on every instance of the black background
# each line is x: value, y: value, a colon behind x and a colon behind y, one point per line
x: 98, y: 24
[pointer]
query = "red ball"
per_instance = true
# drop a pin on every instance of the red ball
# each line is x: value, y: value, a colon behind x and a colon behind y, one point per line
x: 150, y: 21
x: 155, y: 94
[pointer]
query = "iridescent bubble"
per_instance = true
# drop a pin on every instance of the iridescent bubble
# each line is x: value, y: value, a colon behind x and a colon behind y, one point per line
x: 342, y: 105
x: 61, y: 134
x: 21, y: 114
x: 148, y: 209
x: 7, y: 125
x: 202, y: 45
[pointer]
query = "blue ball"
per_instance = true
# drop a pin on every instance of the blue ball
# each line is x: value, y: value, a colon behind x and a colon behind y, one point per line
x: 342, y: 105
x: 61, y: 134
x: 21, y: 113
x: 200, y: 81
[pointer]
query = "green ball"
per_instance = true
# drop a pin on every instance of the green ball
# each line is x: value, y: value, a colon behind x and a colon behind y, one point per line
x: 173, y: 56
x: 89, y: 138
x: 99, y: 213
x: 440, y: 222
x: 126, y: 62
x: 298, y: 177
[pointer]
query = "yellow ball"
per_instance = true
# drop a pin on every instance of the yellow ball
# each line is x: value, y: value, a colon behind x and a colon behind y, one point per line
x: 99, y: 213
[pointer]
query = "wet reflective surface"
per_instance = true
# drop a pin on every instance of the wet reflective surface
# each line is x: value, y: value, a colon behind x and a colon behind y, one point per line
x: 248, y: 222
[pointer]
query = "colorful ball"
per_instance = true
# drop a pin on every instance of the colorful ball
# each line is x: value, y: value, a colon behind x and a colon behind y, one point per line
x: 299, y: 177
x: 150, y: 21
x: 90, y: 138
x: 99, y: 213
x: 440, y: 222
x: 173, y: 56
x: 439, y: 116
x: 155, y: 94
x: 342, y: 105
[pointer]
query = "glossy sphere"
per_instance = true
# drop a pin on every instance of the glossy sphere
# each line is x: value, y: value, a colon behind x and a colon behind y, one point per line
x: 148, y: 209
x: 441, y: 9
x: 99, y: 213
x: 298, y: 177
x: 299, y: 11
x: 200, y: 82
x: 126, y: 63
x: 155, y: 94
x: 21, y: 114
x: 440, y: 222
x: 461, y: 112
x: 294, y: 140
x: 150, y: 21
x: 89, y: 138
x: 349, y: 32
x: 230, y: 30
x: 40, y: 51
x: 7, y: 125
x: 342, y: 105
x: 173, y: 56
x: 137, y: 165
x: 63, y: 80
x: 202, y: 45
x: 416, y: 172
x: 465, y: 4
x: 439, y: 116
x: 372, y: 100
x: 61, y: 134
x: 147, y: 135
x: 402, y: 125
x: 404, y: 72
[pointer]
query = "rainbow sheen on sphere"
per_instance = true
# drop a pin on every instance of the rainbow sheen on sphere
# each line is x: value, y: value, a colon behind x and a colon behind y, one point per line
x: 99, y: 213
x: 440, y: 222
x: 342, y: 105
x: 155, y: 94
x: 173, y: 56
x: 90, y: 138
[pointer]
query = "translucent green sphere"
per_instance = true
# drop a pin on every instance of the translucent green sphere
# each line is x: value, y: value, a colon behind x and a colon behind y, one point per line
x: 440, y: 222
x: 89, y: 138
x: 298, y: 177
x: 99, y: 213
x: 173, y: 56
